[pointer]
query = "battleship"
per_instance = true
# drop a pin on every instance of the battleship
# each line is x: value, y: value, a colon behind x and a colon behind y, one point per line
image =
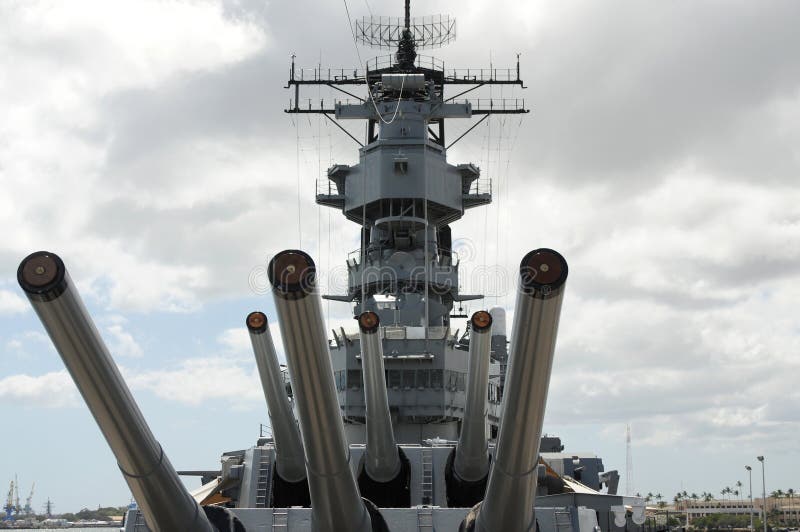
x: 401, y: 424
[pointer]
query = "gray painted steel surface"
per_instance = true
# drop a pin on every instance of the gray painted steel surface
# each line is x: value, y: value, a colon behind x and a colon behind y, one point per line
x: 166, y: 504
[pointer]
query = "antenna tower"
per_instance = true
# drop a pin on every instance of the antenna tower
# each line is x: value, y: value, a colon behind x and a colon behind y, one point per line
x: 628, y: 462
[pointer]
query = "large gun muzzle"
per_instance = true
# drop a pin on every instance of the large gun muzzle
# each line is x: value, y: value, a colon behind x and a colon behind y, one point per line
x: 382, y: 461
x: 290, y: 461
x: 471, y: 461
x: 511, y: 491
x: 167, y: 506
x: 335, y: 501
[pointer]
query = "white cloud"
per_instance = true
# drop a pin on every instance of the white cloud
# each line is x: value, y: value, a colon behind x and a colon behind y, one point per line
x: 11, y: 303
x: 200, y: 380
x: 235, y: 341
x: 62, y: 64
x: 51, y: 390
x: 123, y: 343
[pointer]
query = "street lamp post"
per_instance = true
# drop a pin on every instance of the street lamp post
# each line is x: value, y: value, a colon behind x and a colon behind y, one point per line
x: 764, y: 490
x: 750, y: 474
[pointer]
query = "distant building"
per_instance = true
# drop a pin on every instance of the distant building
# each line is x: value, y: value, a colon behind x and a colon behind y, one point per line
x: 702, y: 508
x: 785, y: 510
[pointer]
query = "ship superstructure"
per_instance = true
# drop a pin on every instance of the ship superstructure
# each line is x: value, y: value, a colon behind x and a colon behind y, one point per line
x: 400, y: 423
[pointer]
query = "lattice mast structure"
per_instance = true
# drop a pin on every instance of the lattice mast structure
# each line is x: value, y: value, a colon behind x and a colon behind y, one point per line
x: 405, y: 110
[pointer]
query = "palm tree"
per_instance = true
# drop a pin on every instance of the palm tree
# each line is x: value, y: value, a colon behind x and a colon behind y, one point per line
x: 739, y: 488
x: 708, y: 496
x: 777, y: 495
x: 790, y: 493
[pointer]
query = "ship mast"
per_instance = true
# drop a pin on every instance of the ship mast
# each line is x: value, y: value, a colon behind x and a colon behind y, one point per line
x: 403, y: 193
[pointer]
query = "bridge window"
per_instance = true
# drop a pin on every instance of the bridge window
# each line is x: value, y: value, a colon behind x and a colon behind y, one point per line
x: 423, y: 378
x: 354, y: 379
x: 394, y: 378
x: 408, y: 378
x: 436, y: 379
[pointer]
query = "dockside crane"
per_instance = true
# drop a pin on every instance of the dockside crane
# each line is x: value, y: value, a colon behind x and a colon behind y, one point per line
x: 17, y: 507
x: 28, y: 510
x: 9, y: 506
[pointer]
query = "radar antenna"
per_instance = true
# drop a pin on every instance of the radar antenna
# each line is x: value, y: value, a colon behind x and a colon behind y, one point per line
x: 432, y: 31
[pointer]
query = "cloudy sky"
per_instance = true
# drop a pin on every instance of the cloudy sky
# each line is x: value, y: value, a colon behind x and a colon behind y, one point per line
x: 145, y: 143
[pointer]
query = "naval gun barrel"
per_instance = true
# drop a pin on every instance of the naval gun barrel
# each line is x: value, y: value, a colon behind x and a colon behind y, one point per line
x: 471, y: 462
x: 382, y: 461
x: 511, y: 491
x: 335, y: 500
x: 290, y: 461
x: 166, y: 504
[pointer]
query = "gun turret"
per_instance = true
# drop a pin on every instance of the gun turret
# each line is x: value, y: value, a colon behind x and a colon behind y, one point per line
x: 155, y: 485
x: 385, y: 469
x: 470, y: 459
x: 511, y: 490
x: 290, y: 460
x: 335, y: 500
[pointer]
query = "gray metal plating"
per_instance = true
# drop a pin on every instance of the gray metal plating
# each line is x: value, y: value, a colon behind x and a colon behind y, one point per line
x: 155, y: 485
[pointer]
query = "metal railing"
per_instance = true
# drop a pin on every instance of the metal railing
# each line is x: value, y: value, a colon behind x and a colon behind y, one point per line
x: 328, y: 74
x: 387, y: 61
x: 326, y: 187
x: 480, y: 75
x: 444, y: 257
x: 494, y: 104
x: 480, y: 187
x: 401, y: 332
x: 319, y: 105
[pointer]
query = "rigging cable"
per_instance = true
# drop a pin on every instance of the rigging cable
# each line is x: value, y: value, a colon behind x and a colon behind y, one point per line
x: 297, y: 171
x: 366, y: 80
x: 498, y: 173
